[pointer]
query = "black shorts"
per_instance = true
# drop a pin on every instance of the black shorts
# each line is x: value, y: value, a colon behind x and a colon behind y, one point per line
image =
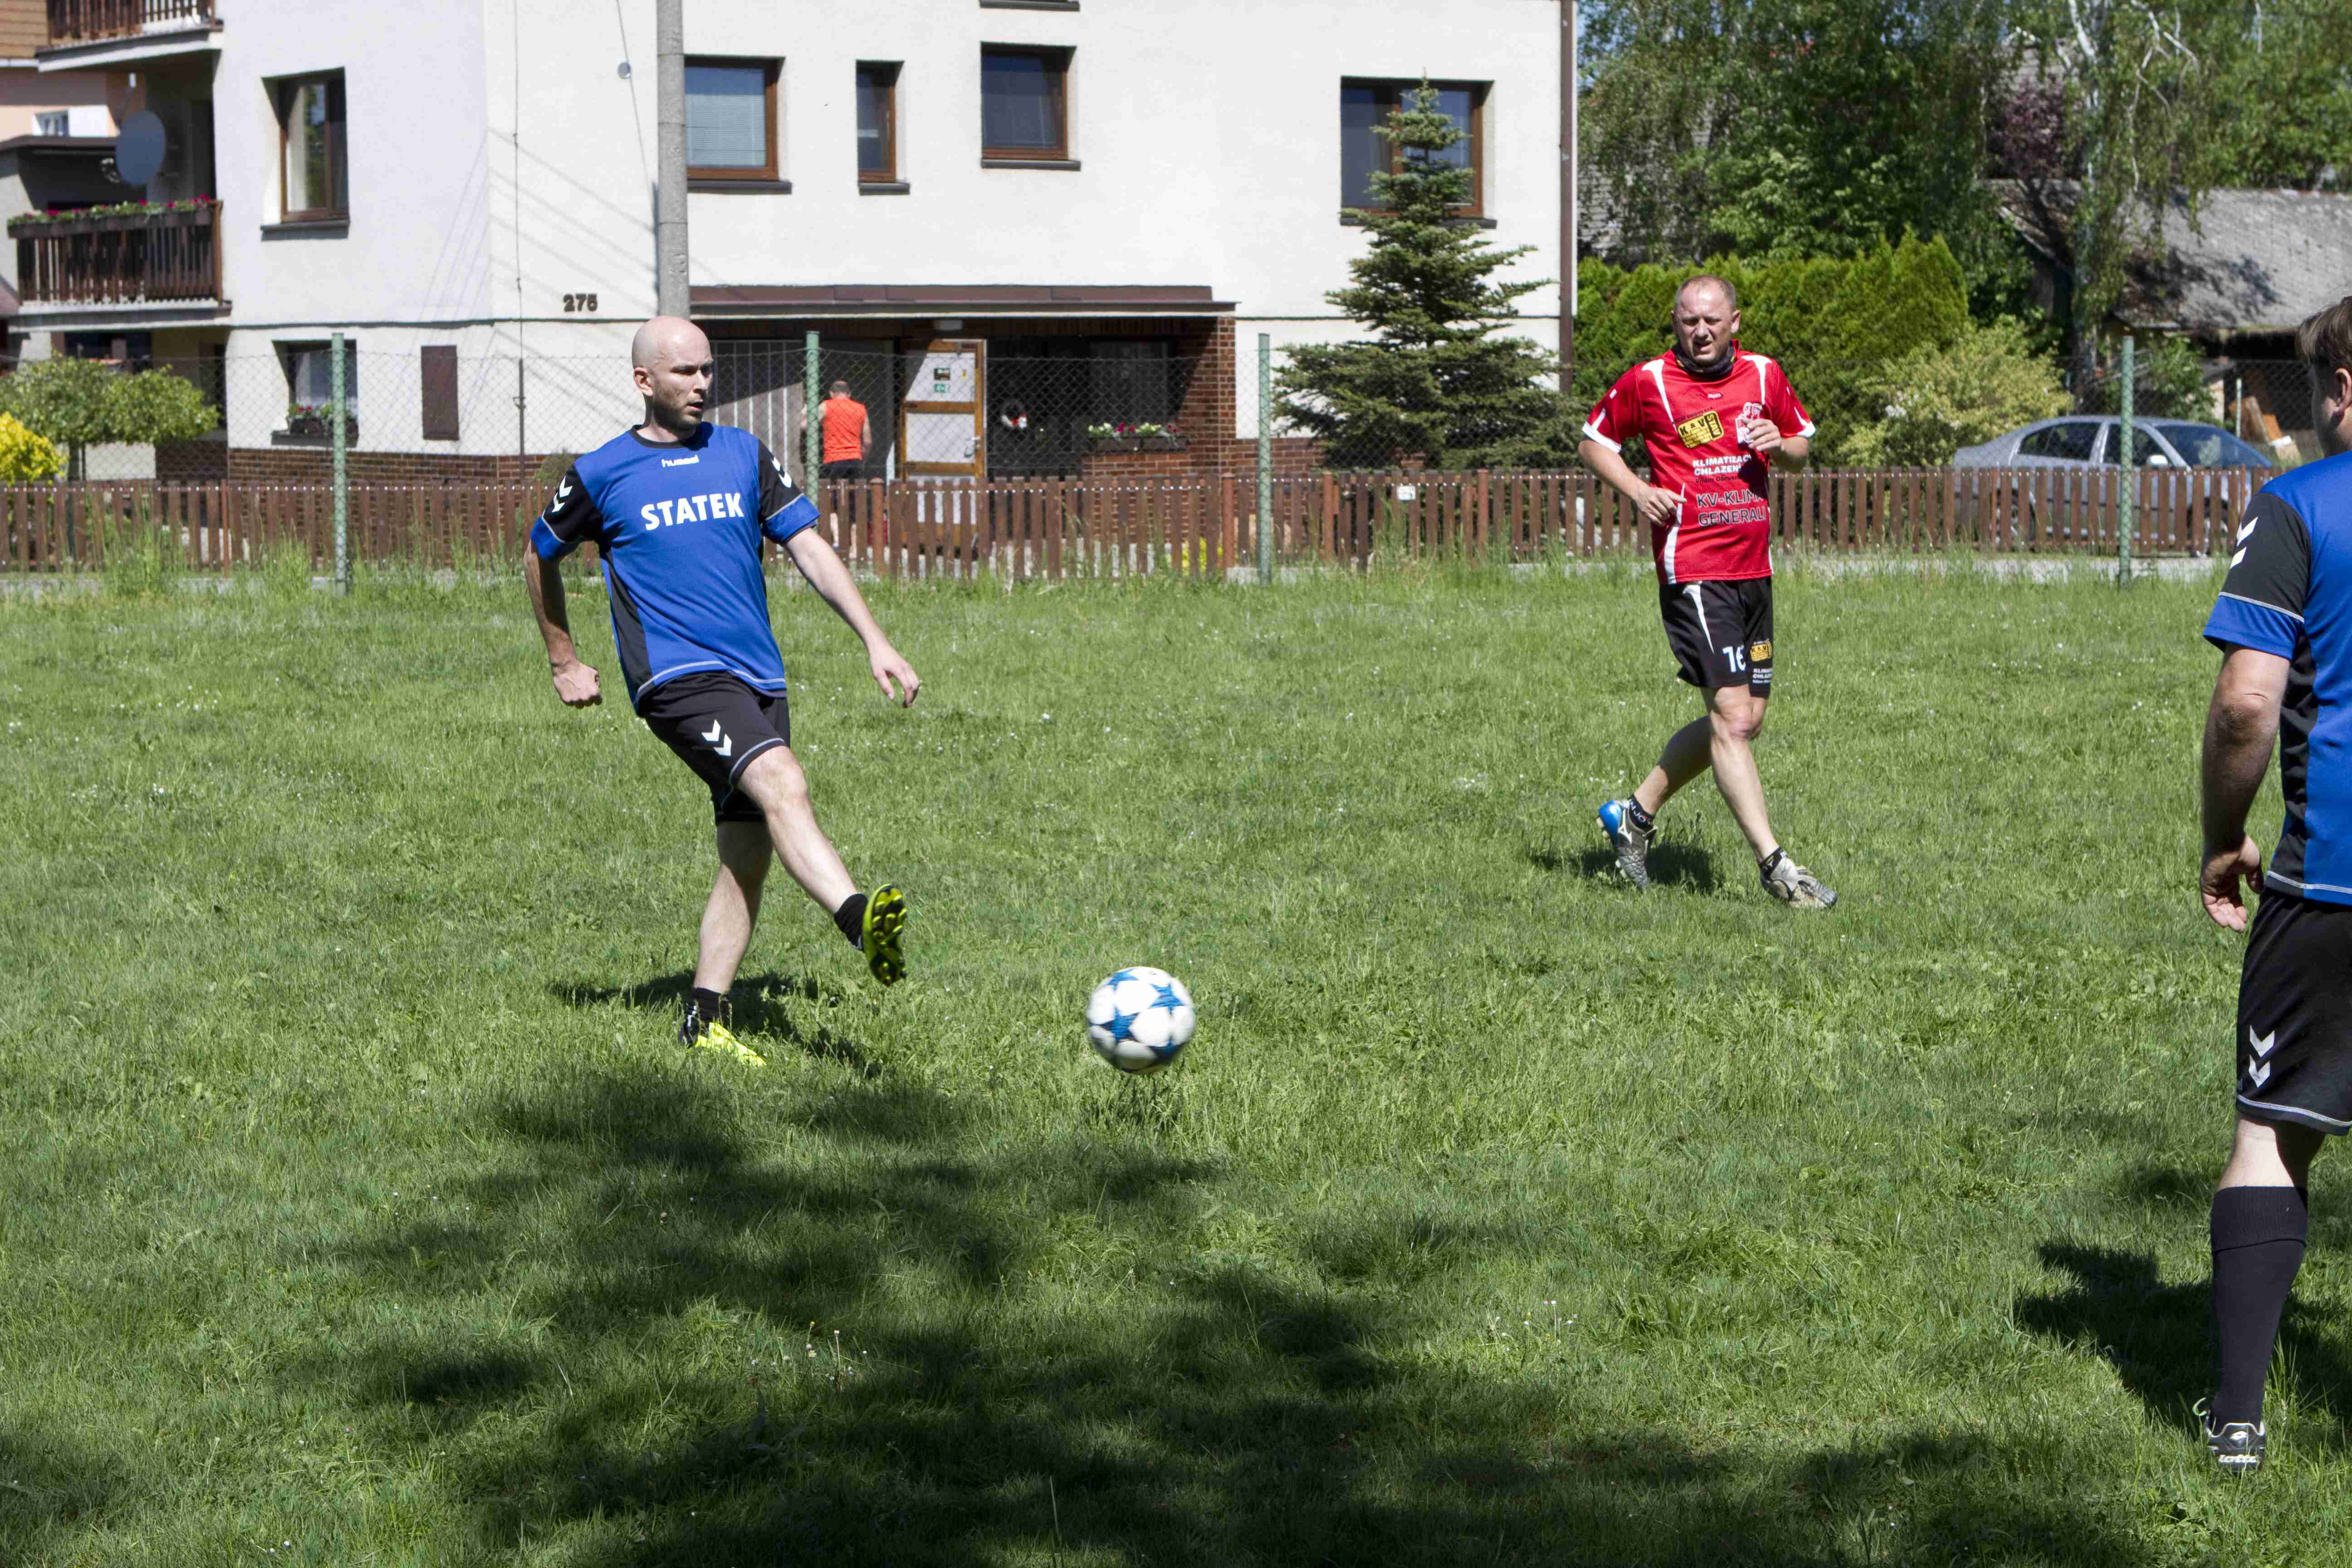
x: 2294, y: 1015
x: 1721, y: 632
x: 716, y: 723
x: 850, y: 469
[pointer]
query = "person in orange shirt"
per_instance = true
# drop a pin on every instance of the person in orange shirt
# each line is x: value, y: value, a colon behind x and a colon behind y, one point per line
x: 847, y: 435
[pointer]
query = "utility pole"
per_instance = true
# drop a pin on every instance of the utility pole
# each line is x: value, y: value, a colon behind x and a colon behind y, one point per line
x: 1566, y: 192
x: 670, y: 214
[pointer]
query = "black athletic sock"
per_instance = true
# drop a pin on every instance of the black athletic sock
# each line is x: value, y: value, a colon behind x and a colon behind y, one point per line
x: 709, y: 1005
x: 2258, y: 1238
x: 851, y: 919
x: 1642, y: 819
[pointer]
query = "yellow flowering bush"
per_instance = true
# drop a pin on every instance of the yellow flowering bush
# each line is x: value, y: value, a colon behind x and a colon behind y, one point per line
x: 26, y: 456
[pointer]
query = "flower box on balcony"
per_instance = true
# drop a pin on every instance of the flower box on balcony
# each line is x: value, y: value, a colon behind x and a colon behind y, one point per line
x: 310, y: 425
x: 1133, y: 438
x: 123, y: 219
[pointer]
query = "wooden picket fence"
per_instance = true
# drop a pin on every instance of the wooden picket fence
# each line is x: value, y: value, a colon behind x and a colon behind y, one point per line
x: 1054, y: 529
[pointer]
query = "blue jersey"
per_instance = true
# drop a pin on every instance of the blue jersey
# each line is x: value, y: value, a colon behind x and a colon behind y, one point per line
x: 678, y: 526
x: 2289, y: 592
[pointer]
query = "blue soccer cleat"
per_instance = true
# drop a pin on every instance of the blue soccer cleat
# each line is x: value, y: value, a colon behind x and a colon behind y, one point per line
x: 1631, y: 840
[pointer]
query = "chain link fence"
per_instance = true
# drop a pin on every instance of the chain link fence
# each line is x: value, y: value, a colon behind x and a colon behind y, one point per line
x: 954, y: 410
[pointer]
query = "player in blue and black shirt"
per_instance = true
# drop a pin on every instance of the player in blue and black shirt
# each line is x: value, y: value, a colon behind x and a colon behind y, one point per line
x: 677, y: 508
x: 2283, y: 624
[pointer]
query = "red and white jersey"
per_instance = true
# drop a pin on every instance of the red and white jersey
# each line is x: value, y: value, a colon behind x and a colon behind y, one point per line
x: 1722, y: 532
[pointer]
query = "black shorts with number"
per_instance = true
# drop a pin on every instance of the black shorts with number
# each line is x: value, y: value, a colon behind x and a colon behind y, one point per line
x: 1721, y: 632
x: 716, y: 723
x: 2295, y: 1013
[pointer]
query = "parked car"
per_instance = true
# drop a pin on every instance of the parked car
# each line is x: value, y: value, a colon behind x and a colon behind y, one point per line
x: 2089, y: 443
x: 2083, y: 441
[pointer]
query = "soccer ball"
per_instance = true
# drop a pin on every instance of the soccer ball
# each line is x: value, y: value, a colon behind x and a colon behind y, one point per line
x: 1140, y: 1018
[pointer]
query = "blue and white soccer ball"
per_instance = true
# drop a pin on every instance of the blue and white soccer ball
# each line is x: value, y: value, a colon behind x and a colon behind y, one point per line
x: 1140, y: 1018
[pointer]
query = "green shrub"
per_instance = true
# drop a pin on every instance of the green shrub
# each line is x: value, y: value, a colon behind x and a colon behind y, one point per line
x: 25, y: 458
x: 2168, y: 380
x: 1934, y: 401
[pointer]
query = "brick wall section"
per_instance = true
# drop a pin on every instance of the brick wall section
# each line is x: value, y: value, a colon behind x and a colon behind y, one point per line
x: 1204, y: 417
x: 200, y: 460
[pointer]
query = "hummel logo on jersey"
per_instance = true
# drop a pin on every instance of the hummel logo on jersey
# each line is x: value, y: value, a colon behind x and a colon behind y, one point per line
x: 563, y: 489
x: 719, y: 739
x: 681, y: 462
x: 2259, y: 1073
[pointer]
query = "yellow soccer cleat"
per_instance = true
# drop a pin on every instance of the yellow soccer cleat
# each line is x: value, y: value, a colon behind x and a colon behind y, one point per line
x: 881, y: 932
x: 711, y: 1034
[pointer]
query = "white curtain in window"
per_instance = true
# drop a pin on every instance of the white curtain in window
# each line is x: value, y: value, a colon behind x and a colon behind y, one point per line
x: 726, y: 117
x: 1021, y: 99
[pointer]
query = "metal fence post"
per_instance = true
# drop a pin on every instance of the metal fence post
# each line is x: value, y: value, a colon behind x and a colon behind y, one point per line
x: 811, y: 430
x: 337, y: 443
x: 1265, y: 457
x: 2130, y: 507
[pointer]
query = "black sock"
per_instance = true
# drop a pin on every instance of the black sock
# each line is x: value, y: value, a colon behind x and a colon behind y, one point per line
x: 1642, y: 819
x: 2258, y: 1236
x: 710, y: 1004
x: 851, y: 919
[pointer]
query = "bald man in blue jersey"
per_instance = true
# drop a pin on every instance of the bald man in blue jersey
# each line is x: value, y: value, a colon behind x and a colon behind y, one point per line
x: 2283, y: 624
x: 677, y: 508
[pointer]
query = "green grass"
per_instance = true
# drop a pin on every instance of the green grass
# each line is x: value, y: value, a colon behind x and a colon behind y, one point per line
x: 360, y: 1208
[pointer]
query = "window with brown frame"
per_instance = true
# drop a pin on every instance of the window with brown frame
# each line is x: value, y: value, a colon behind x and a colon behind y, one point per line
x: 1366, y: 103
x: 1025, y: 103
x: 877, y: 122
x: 730, y: 118
x: 313, y: 181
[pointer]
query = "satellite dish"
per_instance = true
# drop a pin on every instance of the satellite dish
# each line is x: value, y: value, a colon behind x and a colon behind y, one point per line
x: 138, y: 149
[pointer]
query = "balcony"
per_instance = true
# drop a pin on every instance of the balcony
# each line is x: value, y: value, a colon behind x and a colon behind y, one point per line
x: 86, y: 34
x: 158, y: 257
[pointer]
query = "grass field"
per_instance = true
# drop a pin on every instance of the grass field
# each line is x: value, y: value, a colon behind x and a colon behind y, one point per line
x: 360, y: 1209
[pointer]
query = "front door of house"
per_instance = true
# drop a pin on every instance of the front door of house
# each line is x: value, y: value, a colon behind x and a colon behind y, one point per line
x: 943, y: 418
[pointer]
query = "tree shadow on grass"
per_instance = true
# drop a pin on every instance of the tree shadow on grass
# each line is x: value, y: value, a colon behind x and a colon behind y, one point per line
x: 1671, y: 865
x: 51, y: 1487
x: 771, y: 1005
x: 2158, y: 1337
x: 667, y: 1248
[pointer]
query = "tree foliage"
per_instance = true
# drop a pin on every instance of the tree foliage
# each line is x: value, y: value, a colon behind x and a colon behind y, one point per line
x: 2142, y: 118
x: 78, y: 404
x: 1935, y: 400
x: 2168, y: 381
x: 1434, y: 380
x: 1773, y: 128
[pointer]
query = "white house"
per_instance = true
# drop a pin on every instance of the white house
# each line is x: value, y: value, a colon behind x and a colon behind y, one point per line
x: 1085, y: 202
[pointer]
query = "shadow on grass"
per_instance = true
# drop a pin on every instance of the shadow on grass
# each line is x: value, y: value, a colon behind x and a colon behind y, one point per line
x: 51, y: 1487
x: 1671, y: 865
x: 2158, y: 1337
x: 764, y: 1008
x: 667, y: 1241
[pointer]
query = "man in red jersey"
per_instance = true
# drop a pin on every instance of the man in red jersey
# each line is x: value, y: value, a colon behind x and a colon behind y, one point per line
x: 1712, y: 419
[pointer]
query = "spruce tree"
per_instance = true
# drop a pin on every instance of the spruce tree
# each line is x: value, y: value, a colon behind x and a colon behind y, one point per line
x: 1433, y: 382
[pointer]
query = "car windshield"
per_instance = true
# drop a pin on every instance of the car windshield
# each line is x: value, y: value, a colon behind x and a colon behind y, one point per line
x: 2205, y: 447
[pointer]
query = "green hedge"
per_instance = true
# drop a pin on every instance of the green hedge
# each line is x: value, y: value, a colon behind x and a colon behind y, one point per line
x: 1831, y: 323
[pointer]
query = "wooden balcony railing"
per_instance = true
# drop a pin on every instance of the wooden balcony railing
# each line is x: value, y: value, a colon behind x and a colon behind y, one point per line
x: 133, y: 258
x: 81, y: 21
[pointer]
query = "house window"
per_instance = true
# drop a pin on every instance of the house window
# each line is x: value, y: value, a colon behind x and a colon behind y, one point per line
x: 731, y: 119
x: 310, y: 381
x: 1025, y: 103
x: 313, y: 181
x: 1133, y: 382
x: 1364, y: 105
x: 52, y: 122
x: 877, y: 122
